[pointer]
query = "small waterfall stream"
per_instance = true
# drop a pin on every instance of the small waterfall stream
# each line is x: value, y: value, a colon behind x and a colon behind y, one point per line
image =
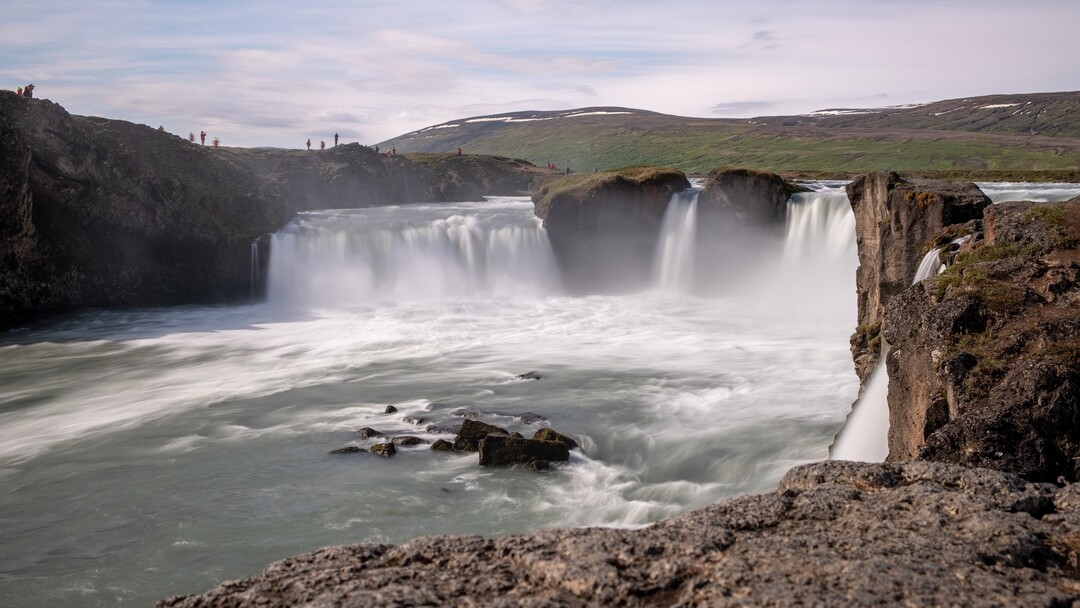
x: 675, y: 249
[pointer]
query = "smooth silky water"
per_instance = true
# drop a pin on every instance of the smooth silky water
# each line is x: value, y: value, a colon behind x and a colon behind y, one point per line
x: 155, y: 452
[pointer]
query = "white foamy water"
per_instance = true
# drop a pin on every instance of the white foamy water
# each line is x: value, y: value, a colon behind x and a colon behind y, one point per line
x: 1000, y: 192
x: 676, y: 247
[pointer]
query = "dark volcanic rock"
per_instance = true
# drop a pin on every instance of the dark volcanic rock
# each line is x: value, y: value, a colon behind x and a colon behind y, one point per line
x: 895, y: 218
x: 100, y: 213
x: 351, y: 449
x: 603, y: 227
x: 367, y: 433
x: 384, y: 449
x: 390, y: 409
x: 734, y: 199
x: 546, y: 434
x: 504, y: 450
x: 833, y: 534
x: 407, y: 440
x: 985, y: 369
x: 470, y: 434
x: 531, y: 376
x: 442, y: 445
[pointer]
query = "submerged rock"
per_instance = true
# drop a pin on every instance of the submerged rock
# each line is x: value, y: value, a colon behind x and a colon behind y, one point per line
x: 832, y: 534
x: 367, y: 433
x: 351, y: 449
x: 470, y: 434
x: 442, y: 445
x: 407, y: 440
x: 547, y: 434
x: 390, y: 409
x: 541, y: 465
x: 384, y: 449
x: 417, y: 420
x: 440, y: 429
x: 503, y: 450
x: 530, y: 376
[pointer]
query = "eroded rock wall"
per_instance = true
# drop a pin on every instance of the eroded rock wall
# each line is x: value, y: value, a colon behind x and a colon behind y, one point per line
x: 985, y: 369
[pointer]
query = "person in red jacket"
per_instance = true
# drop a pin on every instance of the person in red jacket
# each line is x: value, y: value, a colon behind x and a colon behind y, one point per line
x: 202, y: 138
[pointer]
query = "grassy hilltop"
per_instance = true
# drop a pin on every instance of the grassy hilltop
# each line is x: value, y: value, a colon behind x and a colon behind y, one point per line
x: 1005, y: 136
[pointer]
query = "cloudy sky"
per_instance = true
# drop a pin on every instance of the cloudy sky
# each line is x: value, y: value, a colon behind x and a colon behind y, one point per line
x: 270, y: 72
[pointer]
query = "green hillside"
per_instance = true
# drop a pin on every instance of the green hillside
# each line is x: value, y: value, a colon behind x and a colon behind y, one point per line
x: 989, y: 140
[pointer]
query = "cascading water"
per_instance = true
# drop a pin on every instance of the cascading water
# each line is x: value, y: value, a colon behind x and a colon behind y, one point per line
x: 675, y: 249
x: 254, y: 268
x: 865, y: 436
x: 404, y: 253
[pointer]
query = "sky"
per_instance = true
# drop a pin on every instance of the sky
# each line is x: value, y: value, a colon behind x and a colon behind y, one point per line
x: 274, y: 73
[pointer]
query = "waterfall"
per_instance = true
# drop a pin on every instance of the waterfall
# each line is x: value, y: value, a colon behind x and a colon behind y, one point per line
x: 675, y: 250
x: 406, y: 253
x: 820, y: 229
x: 254, y: 268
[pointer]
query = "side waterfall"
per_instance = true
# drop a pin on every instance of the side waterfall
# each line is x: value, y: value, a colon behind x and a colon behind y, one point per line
x: 675, y: 250
x: 865, y: 436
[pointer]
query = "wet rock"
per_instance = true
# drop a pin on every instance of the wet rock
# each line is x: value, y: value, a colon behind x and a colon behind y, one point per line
x: 441, y: 429
x: 351, y: 449
x: 503, y: 450
x: 417, y: 420
x: 534, y: 375
x: 832, y: 534
x: 529, y: 418
x: 547, y: 434
x: 464, y: 413
x: 367, y: 433
x: 470, y: 434
x: 541, y: 465
x: 390, y: 409
x: 384, y: 449
x: 407, y: 440
x: 517, y: 435
x: 442, y: 445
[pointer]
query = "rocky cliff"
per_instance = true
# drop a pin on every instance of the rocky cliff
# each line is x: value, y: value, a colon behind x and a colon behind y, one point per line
x: 603, y: 227
x: 985, y: 369
x: 833, y: 534
x: 895, y: 219
x: 103, y: 213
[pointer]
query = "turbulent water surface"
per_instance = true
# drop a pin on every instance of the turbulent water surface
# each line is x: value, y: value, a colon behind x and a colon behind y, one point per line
x: 154, y: 452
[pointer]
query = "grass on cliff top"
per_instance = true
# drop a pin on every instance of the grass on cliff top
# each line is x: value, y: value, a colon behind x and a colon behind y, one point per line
x: 577, y: 183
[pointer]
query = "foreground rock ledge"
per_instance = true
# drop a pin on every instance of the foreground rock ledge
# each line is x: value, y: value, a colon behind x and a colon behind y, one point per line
x: 833, y: 534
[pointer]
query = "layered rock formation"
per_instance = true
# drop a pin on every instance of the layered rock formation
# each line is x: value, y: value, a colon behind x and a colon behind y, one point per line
x: 985, y: 369
x: 833, y: 534
x: 734, y: 199
x: 101, y: 213
x: 603, y: 227
x: 895, y: 218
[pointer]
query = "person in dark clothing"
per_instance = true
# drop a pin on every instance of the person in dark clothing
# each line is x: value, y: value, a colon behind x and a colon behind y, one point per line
x: 202, y: 138
x: 28, y: 91
x: 309, y: 143
x: 335, y: 139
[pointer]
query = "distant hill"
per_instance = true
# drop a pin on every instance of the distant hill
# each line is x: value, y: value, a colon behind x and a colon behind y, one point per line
x: 998, y: 133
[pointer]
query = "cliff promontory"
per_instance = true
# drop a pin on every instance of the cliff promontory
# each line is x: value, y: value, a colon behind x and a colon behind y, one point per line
x: 833, y: 534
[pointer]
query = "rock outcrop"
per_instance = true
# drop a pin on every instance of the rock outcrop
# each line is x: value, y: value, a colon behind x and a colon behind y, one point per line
x: 833, y: 534
x: 734, y: 199
x: 985, y: 366
x: 603, y: 227
x: 106, y: 213
x: 100, y: 213
x: 895, y: 219
x: 503, y: 450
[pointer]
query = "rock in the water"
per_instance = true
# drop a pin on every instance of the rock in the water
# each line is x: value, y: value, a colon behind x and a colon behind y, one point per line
x: 529, y: 418
x: 470, y: 434
x: 440, y: 429
x: 737, y: 199
x: 417, y: 420
x: 534, y: 375
x: 442, y: 445
x: 351, y: 449
x: 833, y: 534
x: 367, y: 433
x: 384, y: 449
x: 502, y: 450
x: 390, y: 409
x: 517, y: 435
x: 464, y: 413
x: 541, y: 465
x: 407, y: 440
x: 547, y: 434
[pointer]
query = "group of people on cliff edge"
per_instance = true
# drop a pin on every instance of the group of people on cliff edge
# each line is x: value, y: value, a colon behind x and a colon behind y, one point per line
x: 27, y: 91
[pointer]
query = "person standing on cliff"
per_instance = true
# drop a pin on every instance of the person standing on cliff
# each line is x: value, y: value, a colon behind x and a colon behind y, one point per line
x: 335, y: 139
x: 459, y: 151
x: 191, y: 137
x: 309, y: 143
x: 202, y: 138
x: 18, y: 91
x: 217, y: 142
x: 322, y: 145
x: 28, y: 91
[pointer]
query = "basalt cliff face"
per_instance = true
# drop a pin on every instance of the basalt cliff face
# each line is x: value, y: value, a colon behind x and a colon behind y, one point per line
x: 99, y: 213
x: 985, y: 369
x: 833, y: 534
x: 895, y: 218
x: 107, y: 213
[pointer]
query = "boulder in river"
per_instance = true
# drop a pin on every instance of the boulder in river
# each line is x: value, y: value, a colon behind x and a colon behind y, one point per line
x: 534, y: 375
x: 384, y: 449
x: 442, y: 445
x: 390, y: 409
x: 503, y: 450
x: 471, y: 432
x: 548, y: 434
x: 407, y: 440
x: 367, y: 433
x: 350, y: 449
